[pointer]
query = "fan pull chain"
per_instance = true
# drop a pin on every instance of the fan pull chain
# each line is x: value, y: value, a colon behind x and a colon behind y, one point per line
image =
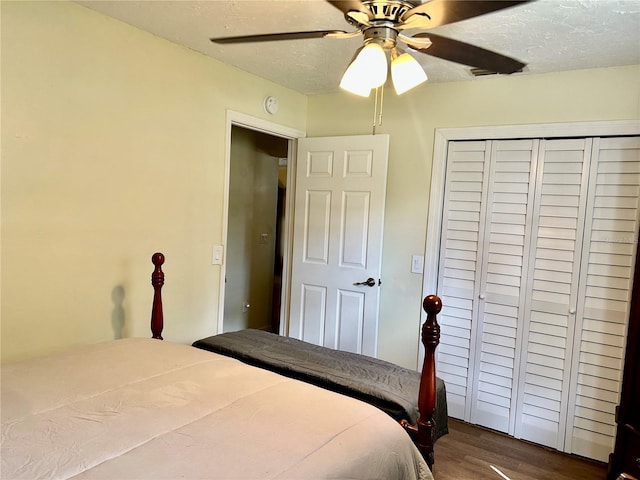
x: 377, y: 108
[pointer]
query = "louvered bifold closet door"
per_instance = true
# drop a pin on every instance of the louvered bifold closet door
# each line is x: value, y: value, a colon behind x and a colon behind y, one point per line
x: 611, y: 235
x: 559, y: 206
x: 502, y: 283
x: 466, y: 180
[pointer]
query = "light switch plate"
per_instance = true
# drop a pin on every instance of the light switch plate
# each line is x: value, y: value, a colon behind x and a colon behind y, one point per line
x: 218, y: 254
x: 417, y: 263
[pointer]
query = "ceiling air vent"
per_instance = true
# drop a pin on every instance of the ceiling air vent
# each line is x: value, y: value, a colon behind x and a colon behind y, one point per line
x: 481, y: 72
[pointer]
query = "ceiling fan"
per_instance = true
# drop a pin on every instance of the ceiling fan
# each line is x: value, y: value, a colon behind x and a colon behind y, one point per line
x: 381, y: 23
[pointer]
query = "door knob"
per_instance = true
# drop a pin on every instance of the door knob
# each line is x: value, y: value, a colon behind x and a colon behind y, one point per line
x: 370, y: 282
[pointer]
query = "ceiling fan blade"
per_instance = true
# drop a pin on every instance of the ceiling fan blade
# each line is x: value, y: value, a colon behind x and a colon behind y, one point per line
x: 346, y: 6
x: 466, y: 54
x: 271, y: 37
x: 443, y: 12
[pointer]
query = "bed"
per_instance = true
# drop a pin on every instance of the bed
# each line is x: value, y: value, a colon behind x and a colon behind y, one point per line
x: 149, y: 409
x: 389, y: 387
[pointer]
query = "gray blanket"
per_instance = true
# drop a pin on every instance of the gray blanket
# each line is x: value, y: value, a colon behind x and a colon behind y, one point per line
x: 389, y: 387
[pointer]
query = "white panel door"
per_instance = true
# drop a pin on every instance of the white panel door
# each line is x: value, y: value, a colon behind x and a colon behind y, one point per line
x: 337, y: 241
x: 554, y: 267
x: 606, y: 278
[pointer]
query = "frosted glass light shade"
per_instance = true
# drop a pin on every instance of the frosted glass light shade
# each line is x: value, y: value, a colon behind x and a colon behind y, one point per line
x: 367, y: 71
x: 406, y: 73
x: 352, y: 82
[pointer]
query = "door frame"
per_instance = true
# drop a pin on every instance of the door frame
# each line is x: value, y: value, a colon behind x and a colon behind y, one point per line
x: 439, y: 167
x: 243, y: 120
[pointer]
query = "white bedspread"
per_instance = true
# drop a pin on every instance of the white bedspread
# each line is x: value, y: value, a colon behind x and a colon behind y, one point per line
x: 147, y: 409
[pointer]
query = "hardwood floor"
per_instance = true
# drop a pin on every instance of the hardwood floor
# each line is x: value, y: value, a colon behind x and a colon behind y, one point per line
x: 468, y: 452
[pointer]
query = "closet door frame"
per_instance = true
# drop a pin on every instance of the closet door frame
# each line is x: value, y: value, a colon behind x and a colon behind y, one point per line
x: 564, y: 137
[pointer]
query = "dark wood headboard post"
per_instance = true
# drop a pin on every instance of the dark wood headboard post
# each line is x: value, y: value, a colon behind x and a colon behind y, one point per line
x: 157, y: 280
x: 423, y: 433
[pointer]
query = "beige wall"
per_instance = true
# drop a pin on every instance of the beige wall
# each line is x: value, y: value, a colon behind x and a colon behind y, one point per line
x: 113, y: 147
x: 411, y: 120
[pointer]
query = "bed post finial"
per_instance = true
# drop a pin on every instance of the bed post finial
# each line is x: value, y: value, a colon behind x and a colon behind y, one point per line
x: 157, y: 280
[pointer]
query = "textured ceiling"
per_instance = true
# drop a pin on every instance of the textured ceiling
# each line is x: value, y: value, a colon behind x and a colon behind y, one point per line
x: 548, y: 35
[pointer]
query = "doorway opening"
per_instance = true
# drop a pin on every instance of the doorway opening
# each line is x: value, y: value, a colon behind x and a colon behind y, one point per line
x: 255, y: 230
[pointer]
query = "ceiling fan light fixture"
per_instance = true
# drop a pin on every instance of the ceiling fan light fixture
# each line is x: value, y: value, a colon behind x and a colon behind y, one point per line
x: 383, y: 23
x: 406, y: 72
x: 367, y: 71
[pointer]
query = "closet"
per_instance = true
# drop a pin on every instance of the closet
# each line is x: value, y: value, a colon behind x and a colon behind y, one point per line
x: 537, y: 249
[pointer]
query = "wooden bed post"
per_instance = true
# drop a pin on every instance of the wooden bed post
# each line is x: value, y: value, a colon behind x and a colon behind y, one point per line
x: 423, y: 433
x: 157, y: 280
